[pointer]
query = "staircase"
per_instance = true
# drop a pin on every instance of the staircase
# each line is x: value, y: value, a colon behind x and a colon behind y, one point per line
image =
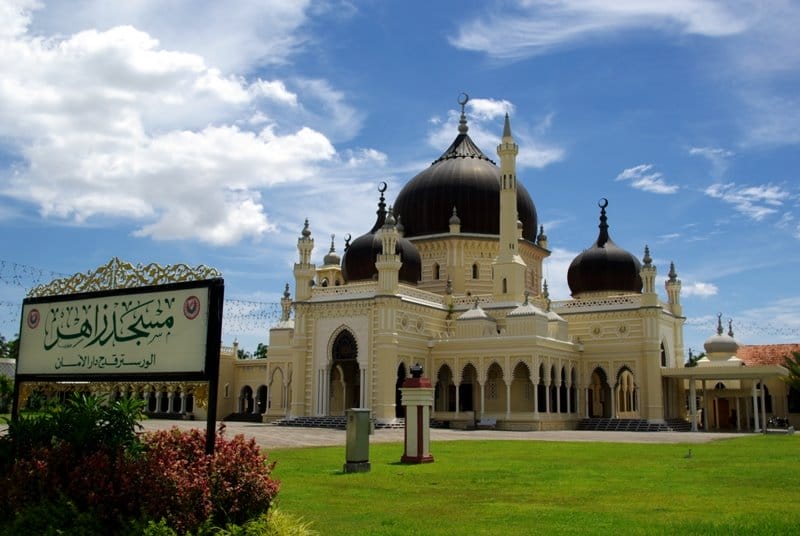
x: 338, y: 423
x: 633, y: 425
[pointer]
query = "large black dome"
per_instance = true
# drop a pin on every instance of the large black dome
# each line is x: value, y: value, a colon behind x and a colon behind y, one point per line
x: 604, y: 266
x: 358, y: 262
x: 464, y: 178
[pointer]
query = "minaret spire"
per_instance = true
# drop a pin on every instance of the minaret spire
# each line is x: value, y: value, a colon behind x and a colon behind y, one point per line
x: 508, y: 268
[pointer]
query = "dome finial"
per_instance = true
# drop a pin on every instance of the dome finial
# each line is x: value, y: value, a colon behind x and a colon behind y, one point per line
x: 507, y: 127
x: 673, y: 275
x: 463, y: 99
x: 306, y: 231
x: 647, y: 259
x: 719, y: 324
x: 603, y: 237
x: 730, y: 327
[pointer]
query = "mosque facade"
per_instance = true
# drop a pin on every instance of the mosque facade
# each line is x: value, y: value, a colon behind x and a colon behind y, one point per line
x: 450, y: 277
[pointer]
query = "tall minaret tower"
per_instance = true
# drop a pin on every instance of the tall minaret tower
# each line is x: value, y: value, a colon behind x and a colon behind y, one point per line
x: 508, y: 268
x: 304, y: 270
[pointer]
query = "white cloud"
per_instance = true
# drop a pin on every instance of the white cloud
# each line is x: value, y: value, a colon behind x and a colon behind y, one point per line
x: 718, y: 158
x: 530, y: 28
x: 555, y: 269
x: 643, y: 178
x: 698, y: 288
x: 231, y: 38
x: 485, y: 122
x: 756, y: 202
x: 110, y: 124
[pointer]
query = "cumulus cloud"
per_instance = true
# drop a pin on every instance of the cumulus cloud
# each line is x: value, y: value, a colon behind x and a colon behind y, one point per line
x: 642, y: 177
x: 111, y: 124
x: 526, y: 29
x: 756, y: 202
x: 555, y: 269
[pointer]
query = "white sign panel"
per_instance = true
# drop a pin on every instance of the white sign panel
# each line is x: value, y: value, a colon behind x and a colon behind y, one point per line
x: 153, y: 332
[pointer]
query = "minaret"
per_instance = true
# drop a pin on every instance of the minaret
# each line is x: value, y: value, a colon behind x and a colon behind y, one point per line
x: 648, y: 275
x: 388, y: 262
x: 304, y: 271
x: 673, y: 285
x: 508, y: 267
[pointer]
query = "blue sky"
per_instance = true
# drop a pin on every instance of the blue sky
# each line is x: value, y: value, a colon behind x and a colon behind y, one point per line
x: 206, y: 132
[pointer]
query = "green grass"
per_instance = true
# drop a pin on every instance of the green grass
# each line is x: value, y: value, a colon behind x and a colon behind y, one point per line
x: 749, y: 485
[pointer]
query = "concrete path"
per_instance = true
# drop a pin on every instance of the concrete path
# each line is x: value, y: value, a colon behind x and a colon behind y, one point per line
x: 273, y: 437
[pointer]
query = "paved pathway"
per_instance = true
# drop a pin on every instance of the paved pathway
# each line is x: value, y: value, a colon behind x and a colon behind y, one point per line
x: 275, y: 437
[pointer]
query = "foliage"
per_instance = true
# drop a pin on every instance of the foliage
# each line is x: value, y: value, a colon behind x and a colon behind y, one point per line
x: 261, y: 351
x: 6, y: 393
x: 51, y: 518
x: 230, y: 486
x: 9, y: 349
x: 693, y: 359
x: 793, y: 365
x: 86, y: 458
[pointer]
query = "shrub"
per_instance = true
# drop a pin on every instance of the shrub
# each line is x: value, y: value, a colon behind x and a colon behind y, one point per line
x: 230, y: 486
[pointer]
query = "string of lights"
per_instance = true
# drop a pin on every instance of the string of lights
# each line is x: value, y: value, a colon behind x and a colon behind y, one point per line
x: 239, y: 316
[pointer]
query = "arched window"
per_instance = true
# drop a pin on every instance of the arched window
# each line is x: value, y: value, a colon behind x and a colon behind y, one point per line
x: 436, y: 271
x: 663, y: 356
x: 505, y: 285
x: 324, y: 282
x: 475, y: 271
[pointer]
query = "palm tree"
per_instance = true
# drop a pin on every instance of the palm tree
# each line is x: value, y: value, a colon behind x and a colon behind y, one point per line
x: 793, y: 365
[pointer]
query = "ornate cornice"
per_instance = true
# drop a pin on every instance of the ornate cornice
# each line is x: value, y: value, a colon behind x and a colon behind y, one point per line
x: 119, y: 274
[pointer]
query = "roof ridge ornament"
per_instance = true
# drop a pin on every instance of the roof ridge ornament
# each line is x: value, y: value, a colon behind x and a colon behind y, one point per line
x: 719, y: 324
x: 463, y: 99
x: 603, y: 237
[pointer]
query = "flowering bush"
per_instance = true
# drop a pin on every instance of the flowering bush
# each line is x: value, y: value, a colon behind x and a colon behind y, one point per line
x: 230, y: 486
x: 89, y: 457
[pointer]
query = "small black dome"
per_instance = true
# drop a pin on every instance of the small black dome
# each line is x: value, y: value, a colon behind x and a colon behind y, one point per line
x: 604, y: 266
x: 358, y: 262
x: 465, y: 178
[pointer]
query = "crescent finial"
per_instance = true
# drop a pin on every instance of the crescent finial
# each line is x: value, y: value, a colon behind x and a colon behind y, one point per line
x: 603, y: 203
x: 382, y: 186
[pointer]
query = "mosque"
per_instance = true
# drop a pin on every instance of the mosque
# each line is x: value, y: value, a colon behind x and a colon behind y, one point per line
x: 450, y: 277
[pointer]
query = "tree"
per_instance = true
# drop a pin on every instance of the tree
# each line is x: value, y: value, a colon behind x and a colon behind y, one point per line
x: 793, y: 365
x: 261, y: 351
x: 6, y: 392
x: 9, y: 349
x: 693, y: 359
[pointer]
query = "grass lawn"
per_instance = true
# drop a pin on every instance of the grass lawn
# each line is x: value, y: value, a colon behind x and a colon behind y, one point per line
x: 749, y: 485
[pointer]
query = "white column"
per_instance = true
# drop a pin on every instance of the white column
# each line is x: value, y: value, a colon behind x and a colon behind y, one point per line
x: 158, y: 401
x: 364, y: 402
x: 738, y: 416
x: 569, y: 397
x: 536, y: 399
x: 763, y: 404
x: 586, y: 402
x: 482, y: 399
x: 705, y: 407
x: 183, y: 402
x: 558, y: 398
x: 547, y: 397
x: 458, y: 397
x: 508, y: 400
x: 170, y: 401
x: 756, y: 427
x: 614, y: 400
x: 693, y: 403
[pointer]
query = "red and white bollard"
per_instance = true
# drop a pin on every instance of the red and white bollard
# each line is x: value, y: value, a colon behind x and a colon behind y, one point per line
x: 417, y: 398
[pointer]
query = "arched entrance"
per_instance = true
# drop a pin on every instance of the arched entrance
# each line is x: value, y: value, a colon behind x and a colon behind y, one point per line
x: 627, y: 405
x: 467, y: 387
x: 345, y: 383
x: 599, y: 398
x: 521, y: 389
x: 445, y: 393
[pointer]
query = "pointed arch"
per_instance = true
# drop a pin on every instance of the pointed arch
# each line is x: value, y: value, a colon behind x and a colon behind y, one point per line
x: 495, y: 389
x: 599, y: 394
x: 522, y: 389
x: 541, y: 391
x: 277, y: 389
x: 468, y: 388
x: 445, y: 390
x: 562, y: 391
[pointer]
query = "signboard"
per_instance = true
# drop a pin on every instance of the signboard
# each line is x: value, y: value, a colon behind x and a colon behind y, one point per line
x: 146, y: 331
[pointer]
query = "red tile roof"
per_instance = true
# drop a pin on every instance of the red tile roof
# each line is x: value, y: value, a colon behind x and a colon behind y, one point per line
x: 766, y: 354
